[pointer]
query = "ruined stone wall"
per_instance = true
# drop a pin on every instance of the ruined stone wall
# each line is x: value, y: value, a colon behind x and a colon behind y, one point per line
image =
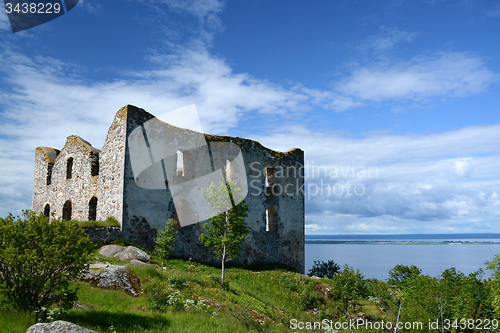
x: 95, y: 174
x: 111, y: 170
x: 284, y: 243
x: 143, y: 203
x: 79, y: 189
x: 146, y: 210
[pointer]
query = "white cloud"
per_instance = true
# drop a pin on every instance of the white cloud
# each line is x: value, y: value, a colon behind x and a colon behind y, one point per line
x: 441, y: 75
x: 450, y: 177
x: 4, y: 21
x: 90, y: 6
x: 421, y: 183
x: 199, y: 8
x: 49, y: 101
x: 205, y: 11
x: 387, y: 39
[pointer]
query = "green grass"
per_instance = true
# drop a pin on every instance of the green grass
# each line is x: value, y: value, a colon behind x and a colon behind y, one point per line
x: 12, y: 321
x: 274, y: 291
x: 109, y: 222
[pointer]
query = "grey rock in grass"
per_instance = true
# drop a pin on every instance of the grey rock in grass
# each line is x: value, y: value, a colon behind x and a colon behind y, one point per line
x: 115, y: 277
x: 110, y: 250
x: 132, y: 252
x: 58, y: 326
x: 139, y: 263
x: 99, y: 264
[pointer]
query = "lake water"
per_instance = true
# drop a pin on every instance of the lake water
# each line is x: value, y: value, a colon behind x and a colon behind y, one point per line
x: 375, y: 260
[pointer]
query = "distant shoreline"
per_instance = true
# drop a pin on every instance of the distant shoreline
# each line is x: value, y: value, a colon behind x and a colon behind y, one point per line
x: 360, y: 242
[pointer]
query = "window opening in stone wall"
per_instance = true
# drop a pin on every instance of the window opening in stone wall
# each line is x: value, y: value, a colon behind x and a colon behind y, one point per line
x: 271, y: 219
x: 46, y: 210
x: 50, y: 166
x: 180, y: 163
x: 94, y: 168
x: 66, y: 215
x: 69, y: 168
x: 93, y: 209
x: 270, y: 176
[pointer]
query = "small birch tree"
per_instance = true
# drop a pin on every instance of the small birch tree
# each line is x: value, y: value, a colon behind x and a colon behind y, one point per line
x: 164, y: 242
x: 227, y: 230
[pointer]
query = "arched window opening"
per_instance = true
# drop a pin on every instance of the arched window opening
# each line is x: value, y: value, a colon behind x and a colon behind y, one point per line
x: 66, y: 215
x: 49, y: 173
x: 180, y: 164
x: 69, y: 168
x: 94, y: 167
x: 270, y: 176
x: 93, y: 209
x: 46, y: 210
x: 271, y: 219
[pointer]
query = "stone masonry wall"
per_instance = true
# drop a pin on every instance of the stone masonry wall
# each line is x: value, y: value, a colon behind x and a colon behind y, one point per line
x: 143, y: 203
x: 78, y: 189
x: 147, y: 210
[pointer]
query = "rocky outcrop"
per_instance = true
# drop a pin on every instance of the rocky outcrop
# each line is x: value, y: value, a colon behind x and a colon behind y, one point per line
x: 214, y: 304
x: 115, y: 277
x: 99, y: 264
x: 261, y: 318
x: 110, y: 250
x: 132, y: 252
x: 135, y: 262
x: 58, y: 327
x: 323, y: 288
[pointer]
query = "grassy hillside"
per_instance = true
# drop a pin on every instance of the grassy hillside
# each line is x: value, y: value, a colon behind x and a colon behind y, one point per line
x: 261, y: 299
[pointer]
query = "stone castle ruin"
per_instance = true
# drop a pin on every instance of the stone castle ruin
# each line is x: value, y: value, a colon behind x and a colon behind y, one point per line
x: 142, y: 185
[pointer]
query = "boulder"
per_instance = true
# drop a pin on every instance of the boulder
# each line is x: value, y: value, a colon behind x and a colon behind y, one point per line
x: 139, y: 263
x: 132, y: 252
x: 99, y: 264
x: 323, y: 288
x: 58, y: 326
x: 110, y: 250
x: 115, y: 277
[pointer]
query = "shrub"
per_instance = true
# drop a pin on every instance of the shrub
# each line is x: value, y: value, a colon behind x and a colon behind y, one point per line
x: 177, y: 282
x: 38, y: 259
x: 321, y: 269
x: 308, y: 297
x: 161, y: 297
x: 165, y: 241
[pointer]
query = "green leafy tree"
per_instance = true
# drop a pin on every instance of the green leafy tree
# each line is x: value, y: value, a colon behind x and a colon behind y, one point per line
x: 164, y: 242
x: 494, y: 266
x: 348, y: 285
x: 420, y: 298
x: 383, y: 293
x: 228, y: 229
x: 401, y: 275
x: 38, y: 259
x: 450, y: 287
x: 321, y: 269
x: 474, y: 300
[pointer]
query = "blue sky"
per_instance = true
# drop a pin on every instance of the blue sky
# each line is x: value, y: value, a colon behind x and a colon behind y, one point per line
x: 409, y: 88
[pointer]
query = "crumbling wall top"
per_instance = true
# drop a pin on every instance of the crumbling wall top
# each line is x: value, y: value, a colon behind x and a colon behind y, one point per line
x: 50, y: 154
x: 76, y: 140
x: 247, y: 142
